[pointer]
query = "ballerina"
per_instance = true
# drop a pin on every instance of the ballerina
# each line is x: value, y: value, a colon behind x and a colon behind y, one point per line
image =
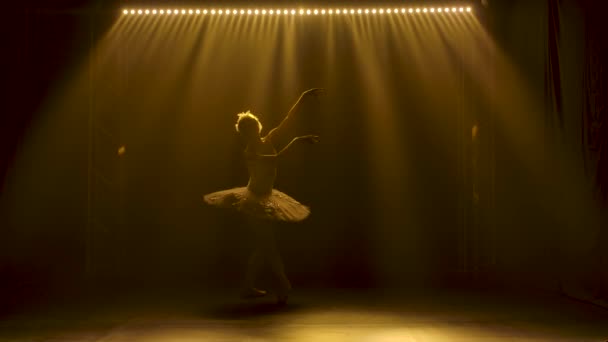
x: 259, y: 201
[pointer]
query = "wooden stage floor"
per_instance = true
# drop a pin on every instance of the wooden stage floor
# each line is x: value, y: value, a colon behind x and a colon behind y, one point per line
x: 311, y: 316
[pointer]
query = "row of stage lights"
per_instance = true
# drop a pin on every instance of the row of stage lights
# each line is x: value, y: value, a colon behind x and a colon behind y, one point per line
x: 294, y: 12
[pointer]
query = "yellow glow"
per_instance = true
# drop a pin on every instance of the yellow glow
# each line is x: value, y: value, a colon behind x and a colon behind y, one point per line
x: 461, y: 9
x: 337, y: 11
x: 285, y: 12
x: 212, y: 11
x: 352, y: 11
x: 154, y: 11
x: 249, y: 12
x: 307, y: 12
x: 293, y: 12
x: 453, y: 9
x: 316, y: 12
x: 139, y: 12
x: 331, y: 11
x: 439, y: 10
x: 147, y: 12
x: 271, y: 12
x: 381, y: 11
x: 162, y: 11
x: 411, y: 10
x: 403, y: 10
x: 122, y: 150
x: 132, y: 11
x: 425, y: 10
x: 301, y: 11
x: 417, y: 10
x: 447, y: 9
x: 359, y: 11
x: 263, y: 12
x: 256, y: 12
x: 125, y: 12
x: 432, y: 10
x: 396, y: 10
x: 374, y: 11
x: 205, y: 11
x: 468, y: 9
x: 234, y: 11
x: 344, y: 11
x: 183, y: 11
x: 322, y: 11
x: 190, y: 11
x: 366, y: 11
x: 175, y: 12
x: 389, y: 11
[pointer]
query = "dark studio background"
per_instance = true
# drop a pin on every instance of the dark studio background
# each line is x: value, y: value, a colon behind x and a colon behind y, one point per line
x: 539, y: 228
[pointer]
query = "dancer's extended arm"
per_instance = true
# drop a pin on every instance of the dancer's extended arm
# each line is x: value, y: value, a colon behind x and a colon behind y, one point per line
x: 311, y: 139
x: 294, y: 109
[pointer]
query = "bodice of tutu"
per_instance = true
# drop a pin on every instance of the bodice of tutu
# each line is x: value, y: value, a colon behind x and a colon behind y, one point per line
x: 262, y: 173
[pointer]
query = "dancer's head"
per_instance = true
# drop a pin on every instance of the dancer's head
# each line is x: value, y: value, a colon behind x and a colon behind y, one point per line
x: 248, y: 126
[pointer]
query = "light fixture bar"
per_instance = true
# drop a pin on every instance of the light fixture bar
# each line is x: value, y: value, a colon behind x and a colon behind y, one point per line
x: 276, y: 11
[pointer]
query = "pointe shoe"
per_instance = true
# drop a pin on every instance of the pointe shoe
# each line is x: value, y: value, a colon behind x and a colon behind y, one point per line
x: 253, y: 293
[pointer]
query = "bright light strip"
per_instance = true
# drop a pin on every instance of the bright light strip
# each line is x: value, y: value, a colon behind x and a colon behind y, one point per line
x: 292, y: 11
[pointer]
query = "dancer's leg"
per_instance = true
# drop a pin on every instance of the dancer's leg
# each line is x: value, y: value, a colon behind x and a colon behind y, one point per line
x: 254, y: 264
x: 253, y: 267
x: 268, y: 247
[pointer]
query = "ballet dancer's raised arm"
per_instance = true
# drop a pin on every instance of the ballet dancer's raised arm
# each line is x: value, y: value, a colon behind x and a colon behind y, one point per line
x: 311, y: 139
x: 275, y: 132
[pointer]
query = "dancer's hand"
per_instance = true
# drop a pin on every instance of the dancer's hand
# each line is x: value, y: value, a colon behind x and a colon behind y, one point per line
x: 311, y: 139
x: 316, y: 92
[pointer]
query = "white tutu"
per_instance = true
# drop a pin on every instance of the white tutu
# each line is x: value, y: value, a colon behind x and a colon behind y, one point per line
x: 276, y: 206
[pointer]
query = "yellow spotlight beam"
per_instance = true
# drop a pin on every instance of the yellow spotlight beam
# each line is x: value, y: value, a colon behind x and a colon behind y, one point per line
x: 302, y: 11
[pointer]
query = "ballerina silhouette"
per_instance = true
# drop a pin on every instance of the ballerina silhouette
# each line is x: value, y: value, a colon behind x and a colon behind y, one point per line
x: 259, y: 201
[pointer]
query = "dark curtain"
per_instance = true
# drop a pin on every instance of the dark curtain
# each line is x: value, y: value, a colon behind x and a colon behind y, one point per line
x: 595, y: 130
x: 553, y: 78
x: 592, y: 285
